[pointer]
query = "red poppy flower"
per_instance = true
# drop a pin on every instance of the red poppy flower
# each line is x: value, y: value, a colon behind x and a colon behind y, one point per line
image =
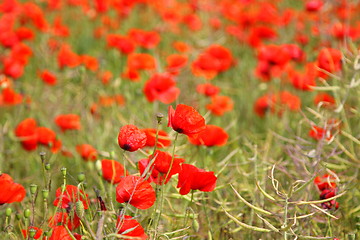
x: 61, y: 233
x: 72, y: 221
x: 10, y: 97
x: 162, y: 168
x: 313, y: 5
x: 319, y: 133
x: 67, y: 58
x: 325, y: 182
x: 304, y: 81
x: 211, y: 136
x: 10, y: 191
x: 329, y: 59
x: 68, y: 122
x: 185, y: 119
x: 193, y: 178
x: 90, y: 62
x: 26, y: 131
x: 264, y: 103
x: 45, y: 136
x: 145, y: 39
x: 70, y: 196
x: 123, y: 44
x: 181, y: 47
x: 128, y: 226
x: 329, y: 193
x: 140, y: 61
x: 220, y: 105
x: 161, y: 87
x: 112, y: 171
x: 48, y: 77
x: 105, y: 77
x: 162, y: 141
x: 87, y: 152
x: 131, y: 138
x: 175, y: 62
x: 290, y: 101
x: 324, y: 99
x: 136, y: 191
x: 37, y: 235
x: 207, y: 89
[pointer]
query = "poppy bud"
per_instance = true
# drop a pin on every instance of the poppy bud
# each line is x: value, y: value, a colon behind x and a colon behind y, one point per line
x: 33, y: 188
x: 45, y: 193
x: 32, y: 232
x: 79, y: 208
x: 27, y: 213
x: 81, y: 177
x: 63, y: 171
x: 8, y: 212
x: 159, y: 117
x: 47, y: 166
x: 42, y: 156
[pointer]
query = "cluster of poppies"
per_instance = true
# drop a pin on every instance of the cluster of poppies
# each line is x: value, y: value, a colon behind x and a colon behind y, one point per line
x: 31, y: 135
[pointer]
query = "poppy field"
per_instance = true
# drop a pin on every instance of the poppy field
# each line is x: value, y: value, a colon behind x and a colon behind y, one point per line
x: 174, y: 119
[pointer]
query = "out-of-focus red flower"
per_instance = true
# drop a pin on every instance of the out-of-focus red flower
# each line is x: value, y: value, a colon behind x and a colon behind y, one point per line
x: 128, y: 226
x: 59, y: 29
x: 162, y: 141
x: 37, y: 235
x: 185, y: 119
x: 324, y: 182
x: 123, y: 44
x: 48, y: 77
x: 90, y: 62
x: 175, y: 62
x: 26, y: 131
x: 290, y: 101
x: 112, y: 171
x: 136, y: 191
x: 193, y: 22
x: 68, y: 122
x: 181, y: 47
x: 45, y: 136
x: 329, y: 193
x: 313, y: 5
x: 207, y: 89
x: 141, y: 61
x: 72, y: 221
x: 33, y: 13
x: 329, y: 59
x: 215, y: 59
x: 24, y: 33
x: 193, y: 178
x: 87, y: 152
x: 319, y: 133
x: 161, y: 87
x: 69, y: 196
x: 11, y: 191
x: 211, y: 136
x: 145, y: 39
x: 325, y: 99
x: 61, y: 233
x: 131, y: 138
x: 10, y: 97
x: 105, y: 77
x: 264, y: 103
x: 67, y: 58
x: 162, y: 168
x: 304, y: 81
x: 272, y: 61
x: 220, y: 105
